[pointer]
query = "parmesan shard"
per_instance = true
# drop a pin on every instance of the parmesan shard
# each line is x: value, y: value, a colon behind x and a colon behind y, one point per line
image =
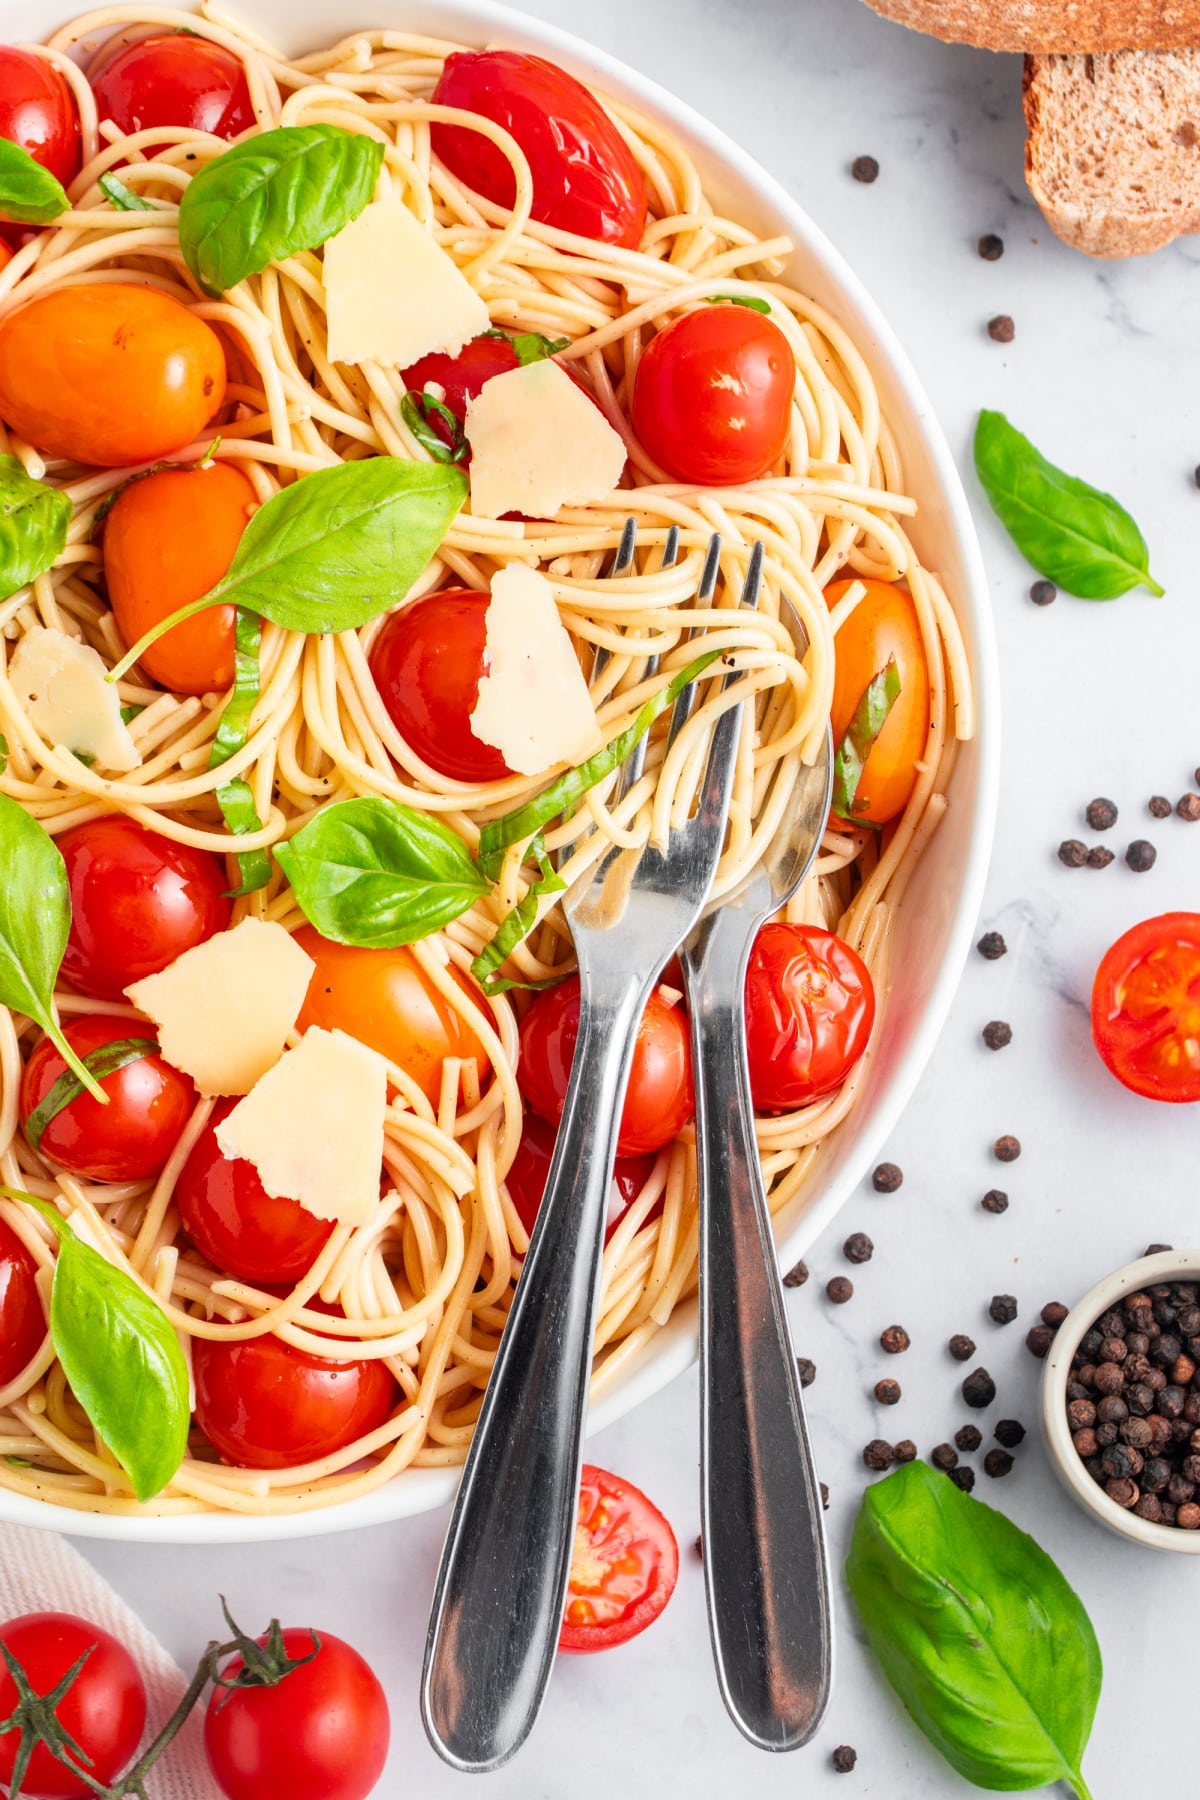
x: 313, y: 1127
x: 533, y: 704
x: 391, y: 292
x: 537, y: 443
x: 61, y: 684
x: 224, y: 1008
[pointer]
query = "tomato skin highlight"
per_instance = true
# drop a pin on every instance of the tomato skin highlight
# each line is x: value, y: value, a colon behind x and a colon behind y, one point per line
x: 585, y: 177
x: 104, y: 1709
x: 883, y: 625
x: 712, y: 398
x: 109, y: 374
x: 624, y: 1567
x: 138, y: 900
x: 22, y: 1321
x: 1146, y: 1008
x: 526, y: 1180
x: 131, y: 1138
x: 321, y: 1734
x: 461, y: 378
x: 810, y: 1006
x: 427, y: 663
x: 659, y: 1101
x: 235, y: 1223
x: 38, y: 112
x: 168, y: 540
x: 175, y: 79
x: 265, y: 1405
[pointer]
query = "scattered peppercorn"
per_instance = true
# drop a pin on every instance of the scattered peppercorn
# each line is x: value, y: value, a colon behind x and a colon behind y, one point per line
x: 997, y: 1463
x: 865, y: 168
x: 978, y: 1388
x: 996, y: 1034
x: 962, y: 1477
x: 991, y: 247
x: 1101, y: 814
x: 1006, y: 1149
x: 807, y: 1371
x: 824, y: 1496
x: 1043, y: 593
x: 944, y: 1456
x: 887, y: 1392
x: 1141, y: 856
x: 962, y: 1348
x: 698, y: 1549
x: 1003, y: 1308
x: 1010, y: 1433
x: 1053, y: 1313
x: 991, y: 946
x: 796, y: 1277
x: 887, y: 1178
x: 1160, y: 806
x: 1072, y: 853
x: 1188, y: 807
x: 1157, y: 1249
x: 894, y: 1339
x: 906, y: 1451
x: 1001, y: 329
x: 968, y: 1437
x: 1039, y: 1338
x: 879, y: 1454
x: 1099, y: 856
x: 858, y: 1247
x: 995, y: 1201
x: 839, y: 1290
x: 845, y: 1756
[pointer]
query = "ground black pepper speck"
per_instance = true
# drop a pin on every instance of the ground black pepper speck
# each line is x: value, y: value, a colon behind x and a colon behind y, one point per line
x: 887, y: 1178
x: 995, y: 1201
x: 1043, y: 593
x: 991, y: 946
x: 840, y: 1289
x: 1141, y: 856
x: 1001, y: 329
x: 991, y: 247
x: 865, y: 168
x: 997, y: 1034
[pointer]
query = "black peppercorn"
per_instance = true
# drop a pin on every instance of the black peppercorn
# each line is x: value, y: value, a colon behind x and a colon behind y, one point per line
x: 797, y: 1276
x: 865, y: 168
x: 840, y: 1289
x: 1007, y: 1148
x: 1053, y: 1313
x: 997, y: 1034
x: 894, y: 1339
x: 1010, y: 1433
x: 845, y: 1756
x: 968, y: 1437
x: 962, y: 1477
x: 1112, y: 1410
x: 887, y: 1392
x: 1081, y: 1412
x: 858, y: 1247
x: 824, y: 1496
x: 1101, y: 814
x: 906, y: 1451
x: 1072, y: 853
x: 1003, y: 1308
x: 879, y: 1454
x: 997, y: 1462
x: 1123, y: 1490
x: 1188, y: 1518
x: 962, y: 1348
x: 807, y: 1371
x: 1160, y: 806
x: 991, y: 946
x: 1099, y: 857
x: 1001, y: 329
x: 943, y: 1456
x: 1156, y: 1472
x: 991, y: 247
x: 995, y: 1201
x: 1039, y: 1339
x: 1043, y: 593
x: 1188, y: 808
x: 1141, y: 856
x: 1107, y: 1435
x: 1149, y: 1508
x: 887, y: 1178
x: 978, y: 1388
x: 1109, y: 1378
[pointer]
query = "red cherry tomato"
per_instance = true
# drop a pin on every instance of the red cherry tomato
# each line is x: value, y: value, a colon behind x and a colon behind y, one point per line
x: 427, y: 663
x: 235, y: 1223
x: 130, y: 1139
x: 659, y: 1100
x: 585, y: 178
x: 883, y: 627
x: 104, y: 1709
x: 265, y: 1405
x: 320, y: 1734
x: 38, y: 112
x: 624, y: 1567
x: 22, y: 1322
x: 138, y: 900
x: 712, y: 400
x: 1146, y: 1008
x: 461, y: 378
x: 810, y: 1006
x: 175, y: 79
x: 526, y: 1179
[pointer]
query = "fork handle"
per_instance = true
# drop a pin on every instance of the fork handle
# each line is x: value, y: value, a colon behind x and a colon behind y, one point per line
x: 765, y: 1563
x: 502, y: 1584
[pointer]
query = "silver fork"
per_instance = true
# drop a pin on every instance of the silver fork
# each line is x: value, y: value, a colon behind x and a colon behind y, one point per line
x: 502, y: 1583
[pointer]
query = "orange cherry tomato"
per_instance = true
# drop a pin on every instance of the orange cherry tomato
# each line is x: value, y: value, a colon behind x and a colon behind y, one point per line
x: 1146, y: 1008
x: 6, y: 254
x: 882, y: 625
x: 382, y: 998
x: 167, y: 540
x: 108, y: 374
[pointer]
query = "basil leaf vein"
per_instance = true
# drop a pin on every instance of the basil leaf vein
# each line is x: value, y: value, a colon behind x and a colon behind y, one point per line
x: 870, y: 715
x: 33, y: 524
x: 106, y: 1059
x: 29, y: 194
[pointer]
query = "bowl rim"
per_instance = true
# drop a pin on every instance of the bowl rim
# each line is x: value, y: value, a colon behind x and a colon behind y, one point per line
x: 1164, y: 1265
x: 674, y: 1349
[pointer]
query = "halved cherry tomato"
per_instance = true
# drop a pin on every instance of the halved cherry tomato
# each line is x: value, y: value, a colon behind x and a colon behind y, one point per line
x: 585, y: 178
x: 712, y: 401
x: 462, y: 377
x: 110, y: 374
x: 235, y: 1223
x: 882, y: 625
x: 1146, y: 1008
x: 175, y: 79
x: 427, y: 662
x: 381, y: 998
x: 138, y: 900
x: 22, y: 1322
x: 265, y: 1405
x: 526, y: 1180
x: 103, y: 1710
x: 659, y: 1100
x: 38, y: 112
x: 810, y: 1006
x: 130, y: 1139
x: 624, y: 1566
x: 168, y: 540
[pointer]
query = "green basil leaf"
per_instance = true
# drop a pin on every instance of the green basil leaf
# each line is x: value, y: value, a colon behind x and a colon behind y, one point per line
x: 977, y: 1630
x: 515, y: 927
x: 531, y: 347
x: 33, y: 524
x: 562, y: 794
x: 4, y: 752
x: 375, y: 873
x: 750, y: 300
x: 1078, y: 537
x: 236, y: 802
x: 105, y: 1060
x: 234, y: 797
x: 870, y: 715
x: 122, y: 197
x: 415, y: 410
x: 129, y: 714
x: 35, y: 919
x: 29, y: 194
x: 274, y: 194
x: 120, y: 1356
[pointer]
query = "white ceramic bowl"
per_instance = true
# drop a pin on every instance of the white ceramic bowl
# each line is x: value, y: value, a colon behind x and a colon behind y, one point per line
x: 935, y: 926
x: 1168, y: 1265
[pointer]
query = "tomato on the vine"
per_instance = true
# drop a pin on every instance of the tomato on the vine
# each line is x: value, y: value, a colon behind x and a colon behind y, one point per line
x: 427, y: 662
x: 1146, y: 1008
x: 624, y: 1566
x: 526, y: 1180
x: 175, y: 78
x: 138, y: 900
x: 712, y: 398
x: 104, y: 1709
x: 22, y: 1321
x: 585, y: 177
x: 659, y: 1100
x: 235, y: 1223
x: 882, y: 627
x: 810, y: 1006
x: 130, y: 1139
x: 38, y: 112
x: 321, y: 1733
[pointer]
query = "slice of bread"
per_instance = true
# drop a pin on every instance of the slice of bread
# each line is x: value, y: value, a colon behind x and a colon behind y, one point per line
x: 1043, y: 26
x: 1113, y: 156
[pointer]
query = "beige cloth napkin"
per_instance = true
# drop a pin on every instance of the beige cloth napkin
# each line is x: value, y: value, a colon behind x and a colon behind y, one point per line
x: 39, y: 1572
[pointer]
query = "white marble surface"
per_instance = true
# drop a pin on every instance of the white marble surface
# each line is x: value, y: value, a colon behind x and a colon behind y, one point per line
x: 1099, y: 700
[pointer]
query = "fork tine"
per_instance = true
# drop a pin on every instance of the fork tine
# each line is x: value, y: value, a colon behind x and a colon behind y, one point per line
x: 631, y: 769
x: 622, y: 564
x: 682, y: 710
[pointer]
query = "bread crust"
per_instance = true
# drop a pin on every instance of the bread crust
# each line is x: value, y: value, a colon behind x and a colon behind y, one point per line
x: 1044, y: 26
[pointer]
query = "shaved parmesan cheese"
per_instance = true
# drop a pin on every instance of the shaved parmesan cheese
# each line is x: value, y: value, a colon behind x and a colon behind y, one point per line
x: 224, y: 1008
x: 61, y: 684
x: 391, y: 292
x: 313, y: 1126
x: 533, y: 705
x: 538, y: 443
